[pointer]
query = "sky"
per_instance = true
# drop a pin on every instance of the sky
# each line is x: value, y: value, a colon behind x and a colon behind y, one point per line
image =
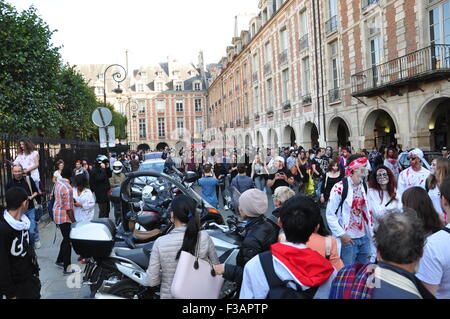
x: 100, y: 31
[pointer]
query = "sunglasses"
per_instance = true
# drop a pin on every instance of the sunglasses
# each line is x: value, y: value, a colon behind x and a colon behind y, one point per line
x: 412, y: 158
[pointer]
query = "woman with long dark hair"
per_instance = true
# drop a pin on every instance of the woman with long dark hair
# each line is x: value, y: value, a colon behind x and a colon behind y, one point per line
x: 417, y: 199
x: 382, y: 192
x: 167, y: 249
x: 28, y: 157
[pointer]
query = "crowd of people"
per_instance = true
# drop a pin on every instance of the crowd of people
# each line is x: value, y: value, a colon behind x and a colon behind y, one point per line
x: 344, y: 226
x: 350, y: 226
x: 76, y: 189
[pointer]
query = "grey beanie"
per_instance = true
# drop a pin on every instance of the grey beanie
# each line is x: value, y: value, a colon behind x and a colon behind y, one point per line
x: 253, y: 202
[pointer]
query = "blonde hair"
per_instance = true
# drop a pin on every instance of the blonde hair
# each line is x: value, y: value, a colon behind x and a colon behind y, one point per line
x: 283, y: 193
x: 442, y: 171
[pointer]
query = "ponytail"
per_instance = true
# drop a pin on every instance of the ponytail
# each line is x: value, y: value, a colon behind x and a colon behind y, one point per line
x: 184, y: 209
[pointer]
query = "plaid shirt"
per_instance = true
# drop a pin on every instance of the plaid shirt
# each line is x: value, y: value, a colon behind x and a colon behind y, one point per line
x: 63, y: 202
x: 353, y: 282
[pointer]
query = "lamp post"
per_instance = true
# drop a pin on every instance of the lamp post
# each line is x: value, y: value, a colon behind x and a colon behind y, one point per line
x: 132, y: 107
x: 118, y: 78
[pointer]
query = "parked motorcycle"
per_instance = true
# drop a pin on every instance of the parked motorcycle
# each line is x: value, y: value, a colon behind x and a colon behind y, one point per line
x: 144, y: 220
x: 133, y: 264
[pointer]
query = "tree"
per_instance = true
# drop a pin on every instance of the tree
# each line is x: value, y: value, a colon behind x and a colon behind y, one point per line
x: 28, y: 66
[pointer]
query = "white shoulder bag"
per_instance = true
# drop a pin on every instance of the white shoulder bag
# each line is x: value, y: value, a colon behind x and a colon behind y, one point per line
x: 195, y: 278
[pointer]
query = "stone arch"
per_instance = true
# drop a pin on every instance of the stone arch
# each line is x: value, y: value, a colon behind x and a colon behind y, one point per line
x: 338, y: 132
x: 432, y: 123
x: 259, y: 140
x: 289, y: 136
x: 380, y: 129
x: 272, y: 139
x: 310, y: 135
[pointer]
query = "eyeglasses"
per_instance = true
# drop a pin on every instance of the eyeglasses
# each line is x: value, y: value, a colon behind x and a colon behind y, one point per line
x: 382, y: 175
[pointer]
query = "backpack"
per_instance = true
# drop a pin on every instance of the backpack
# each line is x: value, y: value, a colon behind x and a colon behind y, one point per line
x: 279, y: 289
x: 345, y: 192
x: 351, y: 282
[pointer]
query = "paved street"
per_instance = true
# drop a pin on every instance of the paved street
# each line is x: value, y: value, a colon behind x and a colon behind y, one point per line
x: 54, y: 284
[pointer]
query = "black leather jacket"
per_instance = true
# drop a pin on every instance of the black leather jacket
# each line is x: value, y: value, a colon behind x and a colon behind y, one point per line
x: 260, y: 235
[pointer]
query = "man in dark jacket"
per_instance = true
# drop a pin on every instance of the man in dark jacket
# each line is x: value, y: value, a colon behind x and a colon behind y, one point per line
x: 99, y: 182
x: 19, y: 271
x: 221, y: 173
x: 260, y: 234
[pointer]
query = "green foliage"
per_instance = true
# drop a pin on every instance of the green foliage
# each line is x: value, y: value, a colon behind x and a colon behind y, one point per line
x: 38, y: 94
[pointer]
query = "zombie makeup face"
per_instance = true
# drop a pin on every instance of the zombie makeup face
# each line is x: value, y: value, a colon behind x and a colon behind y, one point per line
x: 361, y: 173
x: 382, y: 177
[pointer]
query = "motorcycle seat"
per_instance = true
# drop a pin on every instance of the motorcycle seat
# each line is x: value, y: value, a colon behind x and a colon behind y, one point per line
x: 148, y: 220
x: 138, y: 256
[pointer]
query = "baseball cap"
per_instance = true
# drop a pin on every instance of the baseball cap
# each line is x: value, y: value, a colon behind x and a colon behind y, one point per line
x: 253, y: 202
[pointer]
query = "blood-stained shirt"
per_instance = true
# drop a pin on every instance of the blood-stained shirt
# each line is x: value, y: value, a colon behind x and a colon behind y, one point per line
x: 355, y: 229
x: 410, y: 178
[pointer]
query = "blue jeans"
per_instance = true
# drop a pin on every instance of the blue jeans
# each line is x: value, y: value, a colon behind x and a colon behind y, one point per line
x: 260, y: 183
x: 33, y: 231
x: 358, y: 252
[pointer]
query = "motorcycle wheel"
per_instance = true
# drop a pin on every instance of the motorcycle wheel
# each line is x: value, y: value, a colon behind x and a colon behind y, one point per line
x: 129, y: 289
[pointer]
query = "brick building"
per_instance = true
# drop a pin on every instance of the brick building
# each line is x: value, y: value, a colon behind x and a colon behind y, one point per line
x: 163, y: 103
x: 363, y: 73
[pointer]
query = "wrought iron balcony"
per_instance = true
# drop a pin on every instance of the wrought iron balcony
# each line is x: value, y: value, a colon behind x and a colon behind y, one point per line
x: 306, y: 99
x: 304, y: 44
x: 267, y: 69
x: 257, y: 117
x: 269, y: 112
x: 331, y: 25
x: 368, y: 3
x: 334, y: 95
x: 429, y: 63
x: 287, y: 106
x: 284, y: 57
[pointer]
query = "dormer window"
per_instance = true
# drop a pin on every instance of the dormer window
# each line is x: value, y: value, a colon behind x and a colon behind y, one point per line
x: 143, y: 74
x: 176, y: 73
x: 159, y: 73
x: 100, y: 76
x: 178, y: 86
x: 197, y: 86
x: 159, y: 86
x: 140, y: 87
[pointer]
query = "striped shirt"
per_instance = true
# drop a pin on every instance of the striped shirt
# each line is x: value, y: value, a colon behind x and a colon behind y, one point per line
x: 63, y: 201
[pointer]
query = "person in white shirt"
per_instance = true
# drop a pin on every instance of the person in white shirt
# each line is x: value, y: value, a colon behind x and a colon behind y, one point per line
x: 381, y: 197
x: 57, y: 174
x: 84, y: 199
x: 28, y: 158
x: 351, y: 222
x: 415, y: 175
x: 440, y: 169
x: 434, y: 267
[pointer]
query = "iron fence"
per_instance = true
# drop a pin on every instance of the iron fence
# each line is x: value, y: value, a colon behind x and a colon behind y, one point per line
x: 50, y: 151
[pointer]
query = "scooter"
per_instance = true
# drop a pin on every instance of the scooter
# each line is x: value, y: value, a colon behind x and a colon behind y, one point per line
x: 133, y: 264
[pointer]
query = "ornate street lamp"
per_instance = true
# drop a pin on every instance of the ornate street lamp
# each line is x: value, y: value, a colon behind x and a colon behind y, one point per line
x: 117, y: 77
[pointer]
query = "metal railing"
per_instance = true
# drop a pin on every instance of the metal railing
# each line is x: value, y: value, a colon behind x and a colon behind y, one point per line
x: 413, y: 66
x: 306, y: 99
x: 304, y: 42
x: 334, y: 95
x: 50, y: 151
x: 367, y: 3
x: 287, y: 105
x: 331, y: 25
x: 284, y: 57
